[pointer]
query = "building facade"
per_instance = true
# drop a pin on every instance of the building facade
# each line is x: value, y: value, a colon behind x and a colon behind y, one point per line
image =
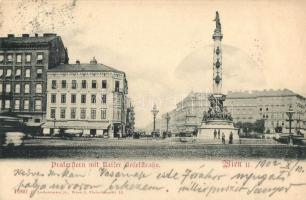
x: 187, y: 114
x: 24, y: 62
x: 89, y: 99
x: 269, y: 105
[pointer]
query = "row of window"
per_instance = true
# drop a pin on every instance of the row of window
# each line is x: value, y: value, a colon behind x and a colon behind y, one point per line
x: 244, y: 118
x: 27, y: 89
x: 16, y: 106
x: 73, y: 113
x: 277, y: 123
x: 73, y: 98
x: 275, y: 105
x: 279, y: 98
x: 278, y: 115
x: 8, y: 58
x: 117, y: 114
x: 18, y: 73
x: 84, y: 84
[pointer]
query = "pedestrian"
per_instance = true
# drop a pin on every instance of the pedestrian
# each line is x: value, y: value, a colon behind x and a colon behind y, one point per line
x: 223, y: 138
x: 230, y: 138
x: 218, y: 133
x: 215, y: 134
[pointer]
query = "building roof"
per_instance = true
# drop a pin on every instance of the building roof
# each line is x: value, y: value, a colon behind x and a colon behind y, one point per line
x: 195, y: 96
x: 12, y: 41
x: 88, y: 67
x: 245, y: 94
x: 262, y: 93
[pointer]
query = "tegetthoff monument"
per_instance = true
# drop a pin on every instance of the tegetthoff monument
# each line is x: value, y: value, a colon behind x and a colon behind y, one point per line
x: 217, y: 121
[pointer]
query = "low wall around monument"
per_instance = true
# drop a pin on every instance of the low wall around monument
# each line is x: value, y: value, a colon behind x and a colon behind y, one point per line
x: 208, y: 133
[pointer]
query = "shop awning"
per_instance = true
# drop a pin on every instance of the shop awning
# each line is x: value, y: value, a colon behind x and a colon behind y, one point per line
x: 76, y: 125
x: 302, y: 131
x: 74, y: 131
x: 33, y: 124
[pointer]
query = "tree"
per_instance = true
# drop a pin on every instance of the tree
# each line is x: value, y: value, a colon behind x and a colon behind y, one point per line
x: 247, y: 127
x: 259, y: 126
x: 278, y: 129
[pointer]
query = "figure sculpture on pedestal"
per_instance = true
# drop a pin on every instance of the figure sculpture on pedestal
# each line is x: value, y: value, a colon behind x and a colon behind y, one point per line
x: 217, y: 116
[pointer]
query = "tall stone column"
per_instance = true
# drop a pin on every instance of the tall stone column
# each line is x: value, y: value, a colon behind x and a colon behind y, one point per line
x: 217, y: 117
x: 217, y: 57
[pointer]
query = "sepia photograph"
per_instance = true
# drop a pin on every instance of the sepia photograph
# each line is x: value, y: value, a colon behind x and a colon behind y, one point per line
x: 135, y: 99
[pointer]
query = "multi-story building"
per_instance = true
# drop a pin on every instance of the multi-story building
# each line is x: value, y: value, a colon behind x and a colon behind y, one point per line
x: 24, y: 62
x: 186, y: 116
x: 188, y: 112
x: 269, y: 105
x: 90, y: 99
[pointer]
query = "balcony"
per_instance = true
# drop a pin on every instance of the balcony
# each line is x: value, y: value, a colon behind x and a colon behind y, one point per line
x: 6, y: 94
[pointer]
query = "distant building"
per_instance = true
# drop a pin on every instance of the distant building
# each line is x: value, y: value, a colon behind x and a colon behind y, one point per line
x: 188, y: 112
x: 89, y: 99
x: 269, y: 105
x: 24, y: 62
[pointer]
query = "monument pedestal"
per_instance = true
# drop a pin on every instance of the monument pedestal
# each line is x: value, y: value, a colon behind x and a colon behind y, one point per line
x: 217, y: 121
x: 206, y: 131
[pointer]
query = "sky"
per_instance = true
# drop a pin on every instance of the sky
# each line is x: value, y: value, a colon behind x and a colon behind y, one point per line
x: 166, y: 47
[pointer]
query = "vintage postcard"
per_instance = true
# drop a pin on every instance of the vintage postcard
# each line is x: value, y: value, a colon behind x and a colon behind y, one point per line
x: 152, y: 99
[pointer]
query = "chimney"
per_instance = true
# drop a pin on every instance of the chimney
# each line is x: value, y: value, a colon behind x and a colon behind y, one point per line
x: 93, y: 61
x: 49, y: 34
x: 77, y: 62
x: 10, y: 35
x: 25, y: 35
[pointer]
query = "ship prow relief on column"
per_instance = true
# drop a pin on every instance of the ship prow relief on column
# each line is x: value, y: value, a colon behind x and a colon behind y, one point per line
x: 217, y: 122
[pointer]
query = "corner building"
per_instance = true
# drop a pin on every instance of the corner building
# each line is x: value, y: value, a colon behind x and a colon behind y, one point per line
x: 24, y: 62
x: 86, y: 99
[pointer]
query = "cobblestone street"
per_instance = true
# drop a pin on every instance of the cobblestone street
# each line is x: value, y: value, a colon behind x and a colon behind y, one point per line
x: 79, y: 148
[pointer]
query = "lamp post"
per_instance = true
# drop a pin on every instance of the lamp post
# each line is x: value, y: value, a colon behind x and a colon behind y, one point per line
x: 54, y: 120
x: 290, y: 113
x: 53, y: 133
x: 155, y: 112
x: 265, y: 118
x: 168, y: 119
x: 299, y: 121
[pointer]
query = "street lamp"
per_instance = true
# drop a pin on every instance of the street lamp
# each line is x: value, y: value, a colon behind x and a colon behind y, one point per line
x: 265, y: 118
x: 155, y: 112
x: 290, y: 113
x: 54, y: 120
x: 168, y: 119
x: 299, y: 121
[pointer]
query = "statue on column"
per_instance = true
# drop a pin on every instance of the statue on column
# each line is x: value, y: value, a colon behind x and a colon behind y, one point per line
x: 217, y: 20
